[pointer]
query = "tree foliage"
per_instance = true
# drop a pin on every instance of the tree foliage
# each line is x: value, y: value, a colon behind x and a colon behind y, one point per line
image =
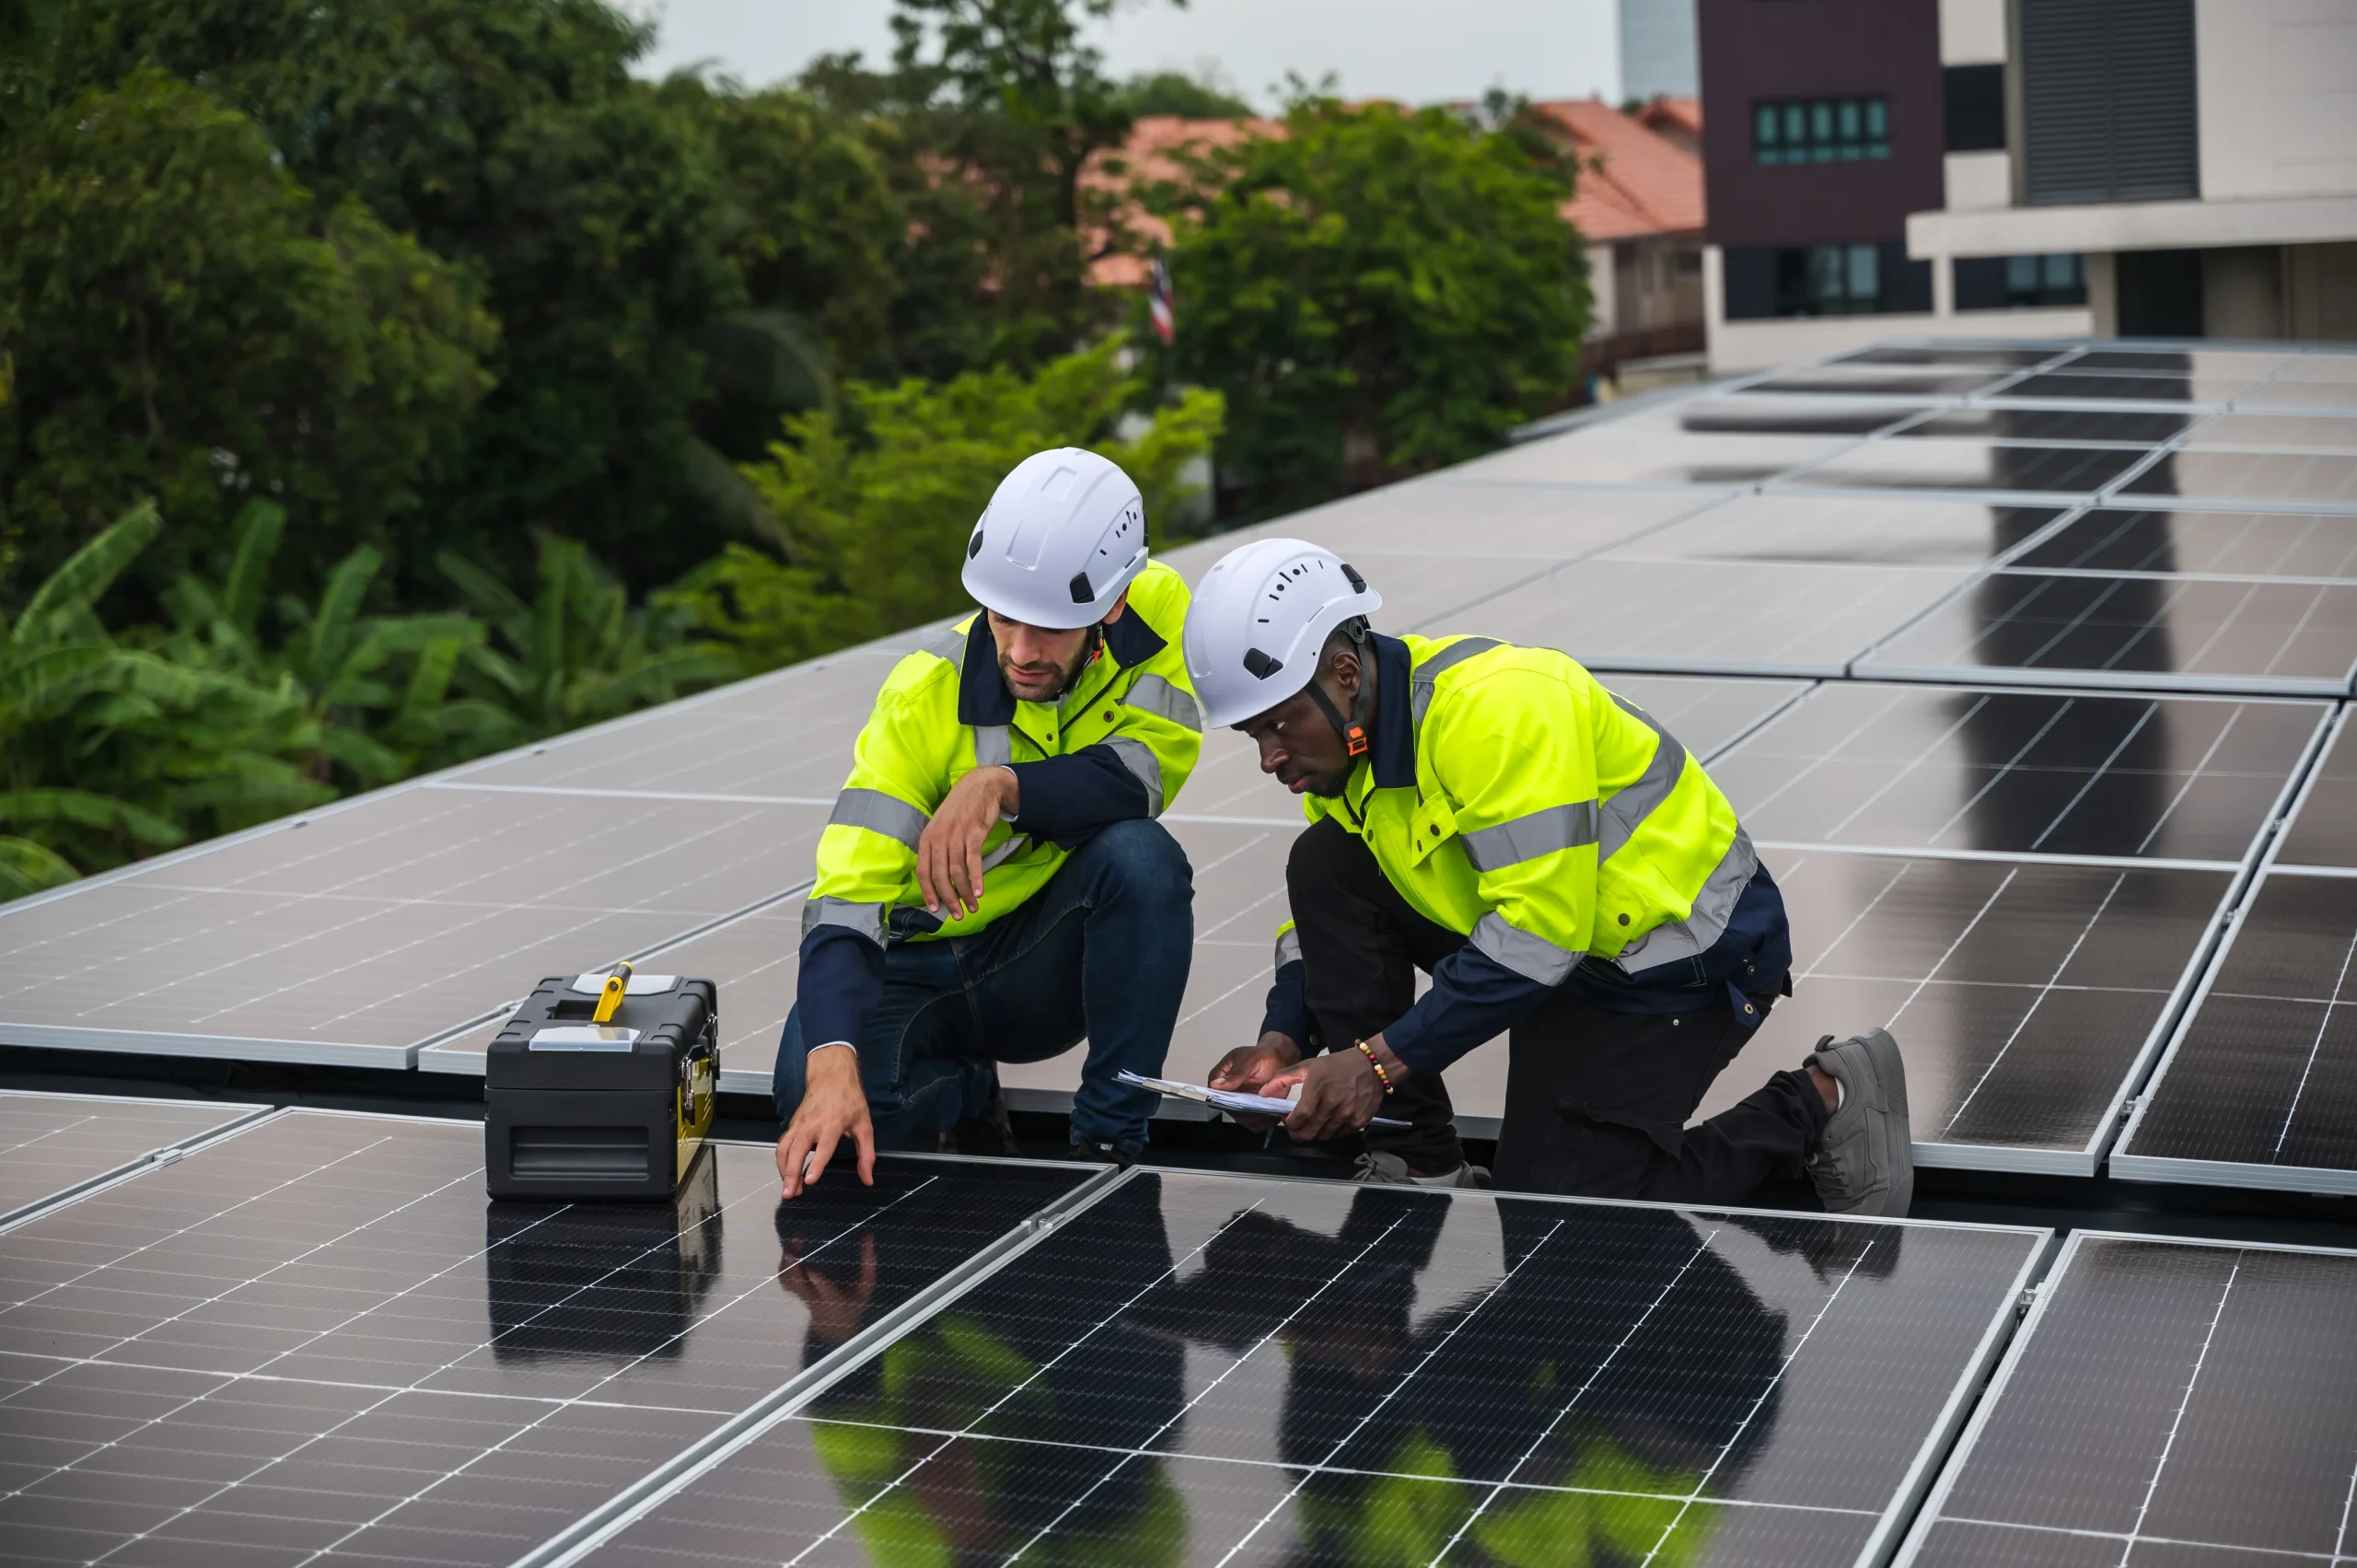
x: 876, y: 502
x: 179, y: 326
x: 1377, y: 292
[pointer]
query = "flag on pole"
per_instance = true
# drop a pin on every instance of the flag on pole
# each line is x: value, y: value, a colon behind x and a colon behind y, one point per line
x: 1159, y: 305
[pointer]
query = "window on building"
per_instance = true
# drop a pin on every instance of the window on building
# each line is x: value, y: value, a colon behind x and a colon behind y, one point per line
x: 1820, y: 130
x: 1824, y: 280
x: 1976, y: 108
x: 2006, y: 283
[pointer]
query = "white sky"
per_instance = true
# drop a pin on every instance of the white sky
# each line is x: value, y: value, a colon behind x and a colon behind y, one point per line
x: 1420, y: 51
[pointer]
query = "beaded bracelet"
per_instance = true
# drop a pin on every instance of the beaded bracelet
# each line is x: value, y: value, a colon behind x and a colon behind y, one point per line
x: 1381, y: 1077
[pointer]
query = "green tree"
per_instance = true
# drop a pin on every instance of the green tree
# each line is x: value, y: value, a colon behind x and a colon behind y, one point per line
x: 576, y: 654
x: 1200, y: 97
x: 177, y: 325
x: 107, y: 752
x: 876, y: 503
x: 339, y: 665
x: 1377, y: 292
x: 508, y: 137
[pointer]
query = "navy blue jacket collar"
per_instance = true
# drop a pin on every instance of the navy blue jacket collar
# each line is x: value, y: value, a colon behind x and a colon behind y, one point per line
x: 1394, y: 752
x: 983, y: 697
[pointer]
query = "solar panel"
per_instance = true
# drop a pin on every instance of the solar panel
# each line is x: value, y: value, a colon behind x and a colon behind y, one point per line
x: 1435, y: 516
x: 352, y: 935
x: 2224, y: 364
x: 54, y: 1144
x: 2322, y: 395
x: 1877, y: 531
x: 2073, y: 385
x: 2021, y: 773
x: 2181, y: 541
x: 1996, y: 421
x: 2178, y: 634
x: 2317, y: 479
x: 1714, y: 617
x: 2027, y: 997
x: 1649, y: 449
x: 316, y: 1337
x: 780, y: 736
x: 1952, y: 463
x: 2259, y: 1088
x: 1893, y: 381
x: 1766, y: 415
x: 2323, y: 829
x: 2315, y: 433
x: 1954, y: 354
x: 2166, y: 1402
x: 1213, y: 1370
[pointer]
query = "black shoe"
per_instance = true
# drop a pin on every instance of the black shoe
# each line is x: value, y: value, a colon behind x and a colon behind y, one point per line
x: 1101, y: 1151
x: 989, y: 1133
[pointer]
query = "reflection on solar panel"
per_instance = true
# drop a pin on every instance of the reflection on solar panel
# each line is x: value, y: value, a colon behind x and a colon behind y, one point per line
x: 2259, y: 1089
x: 1950, y: 463
x: 314, y: 1337
x: 2166, y: 1402
x: 2216, y: 544
x: 51, y: 1144
x: 1770, y: 415
x: 1711, y: 616
x: 2298, y: 478
x: 355, y: 934
x: 1214, y: 1370
x: 1881, y: 531
x: 2027, y: 997
x: 2324, y: 831
x: 2178, y: 633
x: 1951, y: 353
x: 1992, y: 421
x: 1860, y: 380
x: 1956, y: 768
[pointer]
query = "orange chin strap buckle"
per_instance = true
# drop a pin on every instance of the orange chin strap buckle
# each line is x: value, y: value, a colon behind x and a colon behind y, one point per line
x: 1356, y: 738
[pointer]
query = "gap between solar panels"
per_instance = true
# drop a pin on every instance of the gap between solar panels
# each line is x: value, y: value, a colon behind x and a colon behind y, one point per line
x: 84, y: 1143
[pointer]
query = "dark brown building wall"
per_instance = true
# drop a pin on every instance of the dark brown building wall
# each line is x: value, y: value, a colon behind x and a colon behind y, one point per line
x: 1783, y: 49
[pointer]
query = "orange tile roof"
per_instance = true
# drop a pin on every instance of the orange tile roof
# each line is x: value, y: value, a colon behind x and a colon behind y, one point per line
x: 1152, y: 155
x: 1637, y: 181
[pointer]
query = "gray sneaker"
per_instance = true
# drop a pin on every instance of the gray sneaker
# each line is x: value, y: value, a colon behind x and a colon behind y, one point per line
x: 1390, y: 1170
x: 1867, y: 1163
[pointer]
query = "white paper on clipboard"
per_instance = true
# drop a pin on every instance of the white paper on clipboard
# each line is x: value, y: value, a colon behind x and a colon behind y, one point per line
x: 1228, y: 1099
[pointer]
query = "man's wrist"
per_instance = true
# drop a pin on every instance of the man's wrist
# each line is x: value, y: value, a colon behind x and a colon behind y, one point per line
x: 829, y: 1045
x: 1395, y: 1069
x: 1010, y: 795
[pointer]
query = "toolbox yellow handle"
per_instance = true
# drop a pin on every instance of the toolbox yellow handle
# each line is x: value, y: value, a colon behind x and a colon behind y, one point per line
x: 609, y: 998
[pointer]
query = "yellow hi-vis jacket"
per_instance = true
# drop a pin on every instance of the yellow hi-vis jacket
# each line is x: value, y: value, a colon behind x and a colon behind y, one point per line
x: 946, y: 710
x: 1548, y: 819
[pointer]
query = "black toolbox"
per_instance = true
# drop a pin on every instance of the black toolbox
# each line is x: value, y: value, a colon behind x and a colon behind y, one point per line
x: 574, y: 1108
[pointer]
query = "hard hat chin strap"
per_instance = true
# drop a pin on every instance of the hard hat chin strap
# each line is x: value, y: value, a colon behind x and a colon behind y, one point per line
x: 1354, y: 729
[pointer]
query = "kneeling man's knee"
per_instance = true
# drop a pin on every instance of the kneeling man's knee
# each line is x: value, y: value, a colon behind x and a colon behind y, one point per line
x: 1142, y: 860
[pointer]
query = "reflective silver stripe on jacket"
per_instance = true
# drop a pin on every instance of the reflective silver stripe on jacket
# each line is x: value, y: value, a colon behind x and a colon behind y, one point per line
x: 1419, y: 687
x: 866, y: 919
x: 994, y: 746
x: 1154, y: 695
x: 1533, y: 957
x: 1713, y: 906
x: 1015, y: 845
x: 1639, y: 798
x: 879, y: 813
x: 1527, y: 837
x: 949, y: 644
x: 1288, y: 947
x: 1138, y: 757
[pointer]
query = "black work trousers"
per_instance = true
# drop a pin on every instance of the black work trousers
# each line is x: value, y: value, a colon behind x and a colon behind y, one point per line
x: 1596, y: 1101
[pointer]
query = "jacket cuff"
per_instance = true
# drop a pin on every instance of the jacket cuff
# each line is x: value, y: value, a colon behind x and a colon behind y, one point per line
x: 1473, y: 997
x: 842, y: 979
x: 1287, y: 1012
x: 1067, y: 798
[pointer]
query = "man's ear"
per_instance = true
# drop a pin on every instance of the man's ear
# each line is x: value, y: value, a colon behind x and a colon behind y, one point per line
x: 1342, y: 667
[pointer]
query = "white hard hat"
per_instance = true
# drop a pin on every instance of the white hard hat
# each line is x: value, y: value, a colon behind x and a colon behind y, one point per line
x: 1260, y: 619
x: 1064, y: 535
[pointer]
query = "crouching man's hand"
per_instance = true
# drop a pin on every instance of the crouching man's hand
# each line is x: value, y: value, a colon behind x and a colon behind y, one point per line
x: 1247, y: 1069
x: 1339, y: 1092
x: 833, y: 1107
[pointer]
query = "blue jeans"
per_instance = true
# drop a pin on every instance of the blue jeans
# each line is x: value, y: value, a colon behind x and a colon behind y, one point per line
x: 1101, y: 950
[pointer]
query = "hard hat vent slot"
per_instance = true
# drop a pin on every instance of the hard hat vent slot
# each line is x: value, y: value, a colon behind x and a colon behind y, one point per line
x: 1358, y: 583
x: 974, y: 545
x: 1259, y: 664
x: 1081, y: 592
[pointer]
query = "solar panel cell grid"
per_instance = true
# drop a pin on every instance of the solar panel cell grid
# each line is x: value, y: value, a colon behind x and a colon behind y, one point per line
x: 1241, y: 1372
x: 2130, y: 427
x: 372, y: 929
x: 1800, y: 530
x: 2323, y: 829
x: 2307, y: 479
x: 319, y: 1338
x: 2024, y: 996
x: 2201, y: 543
x: 2319, y: 393
x: 2315, y: 433
x: 1949, y: 463
x: 52, y: 1142
x: 1728, y: 618
x: 1768, y: 414
x: 2169, y: 1403
x: 2180, y: 634
x: 2261, y: 1089
x: 2020, y: 772
x: 1650, y: 450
